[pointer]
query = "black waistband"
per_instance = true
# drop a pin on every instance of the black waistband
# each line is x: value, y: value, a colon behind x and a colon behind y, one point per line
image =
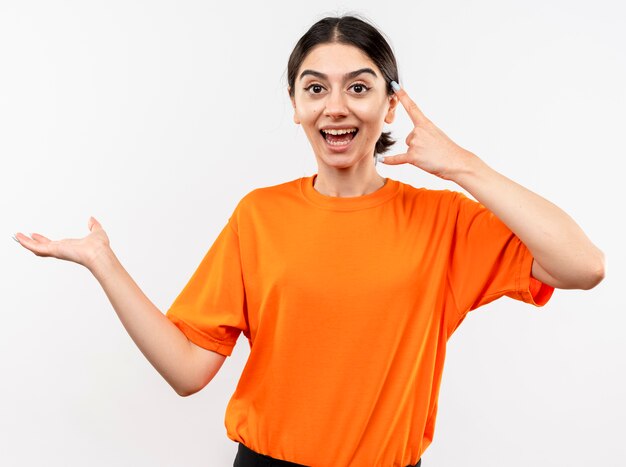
x: 246, y: 457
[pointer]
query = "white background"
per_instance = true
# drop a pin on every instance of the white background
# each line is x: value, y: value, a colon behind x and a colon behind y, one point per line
x: 156, y: 117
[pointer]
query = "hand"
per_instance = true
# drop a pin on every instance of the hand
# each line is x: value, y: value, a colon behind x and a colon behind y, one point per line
x: 83, y: 251
x: 429, y: 148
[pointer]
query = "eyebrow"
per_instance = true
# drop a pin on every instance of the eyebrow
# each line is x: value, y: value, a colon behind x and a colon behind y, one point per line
x: 352, y: 74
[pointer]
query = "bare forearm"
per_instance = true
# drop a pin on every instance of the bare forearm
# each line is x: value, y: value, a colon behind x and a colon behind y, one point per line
x: 557, y: 243
x: 163, y: 344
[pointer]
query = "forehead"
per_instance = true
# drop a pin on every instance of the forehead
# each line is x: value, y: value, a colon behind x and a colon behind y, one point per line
x: 336, y: 58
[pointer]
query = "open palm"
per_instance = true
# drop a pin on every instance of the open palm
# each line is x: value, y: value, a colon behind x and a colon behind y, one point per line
x: 78, y: 250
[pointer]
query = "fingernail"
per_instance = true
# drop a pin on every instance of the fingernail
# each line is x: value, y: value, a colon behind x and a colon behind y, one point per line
x: 15, y: 238
x: 380, y: 159
x: 395, y: 86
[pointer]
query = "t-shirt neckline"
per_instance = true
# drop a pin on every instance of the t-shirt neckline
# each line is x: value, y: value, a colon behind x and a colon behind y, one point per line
x: 352, y: 203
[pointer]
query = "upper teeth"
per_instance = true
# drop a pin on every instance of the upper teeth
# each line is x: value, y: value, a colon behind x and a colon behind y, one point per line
x: 339, y: 132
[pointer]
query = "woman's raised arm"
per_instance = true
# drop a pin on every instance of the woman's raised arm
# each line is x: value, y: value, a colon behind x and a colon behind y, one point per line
x: 564, y: 257
x: 184, y: 365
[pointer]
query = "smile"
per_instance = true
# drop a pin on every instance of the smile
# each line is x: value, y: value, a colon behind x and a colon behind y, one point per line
x: 339, y: 136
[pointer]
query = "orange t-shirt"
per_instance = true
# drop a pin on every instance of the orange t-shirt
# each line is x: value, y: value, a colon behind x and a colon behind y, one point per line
x: 347, y: 304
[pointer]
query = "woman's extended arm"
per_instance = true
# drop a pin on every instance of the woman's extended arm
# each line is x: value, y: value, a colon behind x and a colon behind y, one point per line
x: 184, y: 365
x: 564, y: 257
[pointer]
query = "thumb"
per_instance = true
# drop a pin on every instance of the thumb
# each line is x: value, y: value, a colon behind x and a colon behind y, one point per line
x: 93, y: 224
x: 395, y: 160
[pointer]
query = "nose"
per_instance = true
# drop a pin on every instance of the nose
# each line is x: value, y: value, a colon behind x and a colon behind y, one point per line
x: 335, y: 105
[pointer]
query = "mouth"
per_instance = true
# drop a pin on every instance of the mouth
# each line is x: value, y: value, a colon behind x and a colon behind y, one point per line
x: 339, y: 137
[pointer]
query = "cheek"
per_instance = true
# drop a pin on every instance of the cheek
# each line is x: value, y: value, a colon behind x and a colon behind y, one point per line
x: 372, y: 115
x: 370, y: 112
x: 309, y: 114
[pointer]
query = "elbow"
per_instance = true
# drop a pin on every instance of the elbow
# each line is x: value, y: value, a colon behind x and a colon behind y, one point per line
x: 597, y: 277
x: 595, y: 272
x: 185, y: 391
x: 201, y: 372
x: 189, y: 388
x: 186, y: 388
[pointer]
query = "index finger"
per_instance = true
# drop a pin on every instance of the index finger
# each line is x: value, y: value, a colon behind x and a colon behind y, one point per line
x: 411, y: 107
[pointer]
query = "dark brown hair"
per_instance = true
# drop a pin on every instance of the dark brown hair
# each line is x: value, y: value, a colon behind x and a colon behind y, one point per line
x: 348, y: 30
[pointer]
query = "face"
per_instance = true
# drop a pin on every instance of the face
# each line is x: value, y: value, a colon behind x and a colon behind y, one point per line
x: 340, y: 99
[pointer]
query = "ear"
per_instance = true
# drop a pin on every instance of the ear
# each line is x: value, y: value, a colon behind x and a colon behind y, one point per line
x: 296, y: 119
x: 391, y: 113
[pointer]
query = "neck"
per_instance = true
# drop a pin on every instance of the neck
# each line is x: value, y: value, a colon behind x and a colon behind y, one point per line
x: 347, y: 182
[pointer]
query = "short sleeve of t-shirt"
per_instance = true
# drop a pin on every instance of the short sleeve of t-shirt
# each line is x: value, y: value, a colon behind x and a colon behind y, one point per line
x: 488, y: 261
x: 211, y: 309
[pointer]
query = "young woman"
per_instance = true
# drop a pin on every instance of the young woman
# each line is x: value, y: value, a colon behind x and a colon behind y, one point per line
x: 346, y: 284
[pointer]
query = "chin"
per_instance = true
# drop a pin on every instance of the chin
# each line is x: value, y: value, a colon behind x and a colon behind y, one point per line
x: 340, y: 161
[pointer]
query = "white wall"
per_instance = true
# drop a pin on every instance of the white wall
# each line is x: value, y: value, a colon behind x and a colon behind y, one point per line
x: 157, y: 116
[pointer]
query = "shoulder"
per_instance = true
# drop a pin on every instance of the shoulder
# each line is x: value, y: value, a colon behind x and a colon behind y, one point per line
x: 268, y: 200
x: 270, y: 194
x: 426, y: 198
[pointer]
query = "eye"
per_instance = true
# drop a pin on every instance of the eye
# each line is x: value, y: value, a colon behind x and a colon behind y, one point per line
x: 314, y: 88
x: 359, y: 88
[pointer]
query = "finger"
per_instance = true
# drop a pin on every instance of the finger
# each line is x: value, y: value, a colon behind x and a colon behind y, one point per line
x: 93, y: 224
x: 40, y: 238
x: 395, y: 160
x: 39, y: 248
x: 411, y: 107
